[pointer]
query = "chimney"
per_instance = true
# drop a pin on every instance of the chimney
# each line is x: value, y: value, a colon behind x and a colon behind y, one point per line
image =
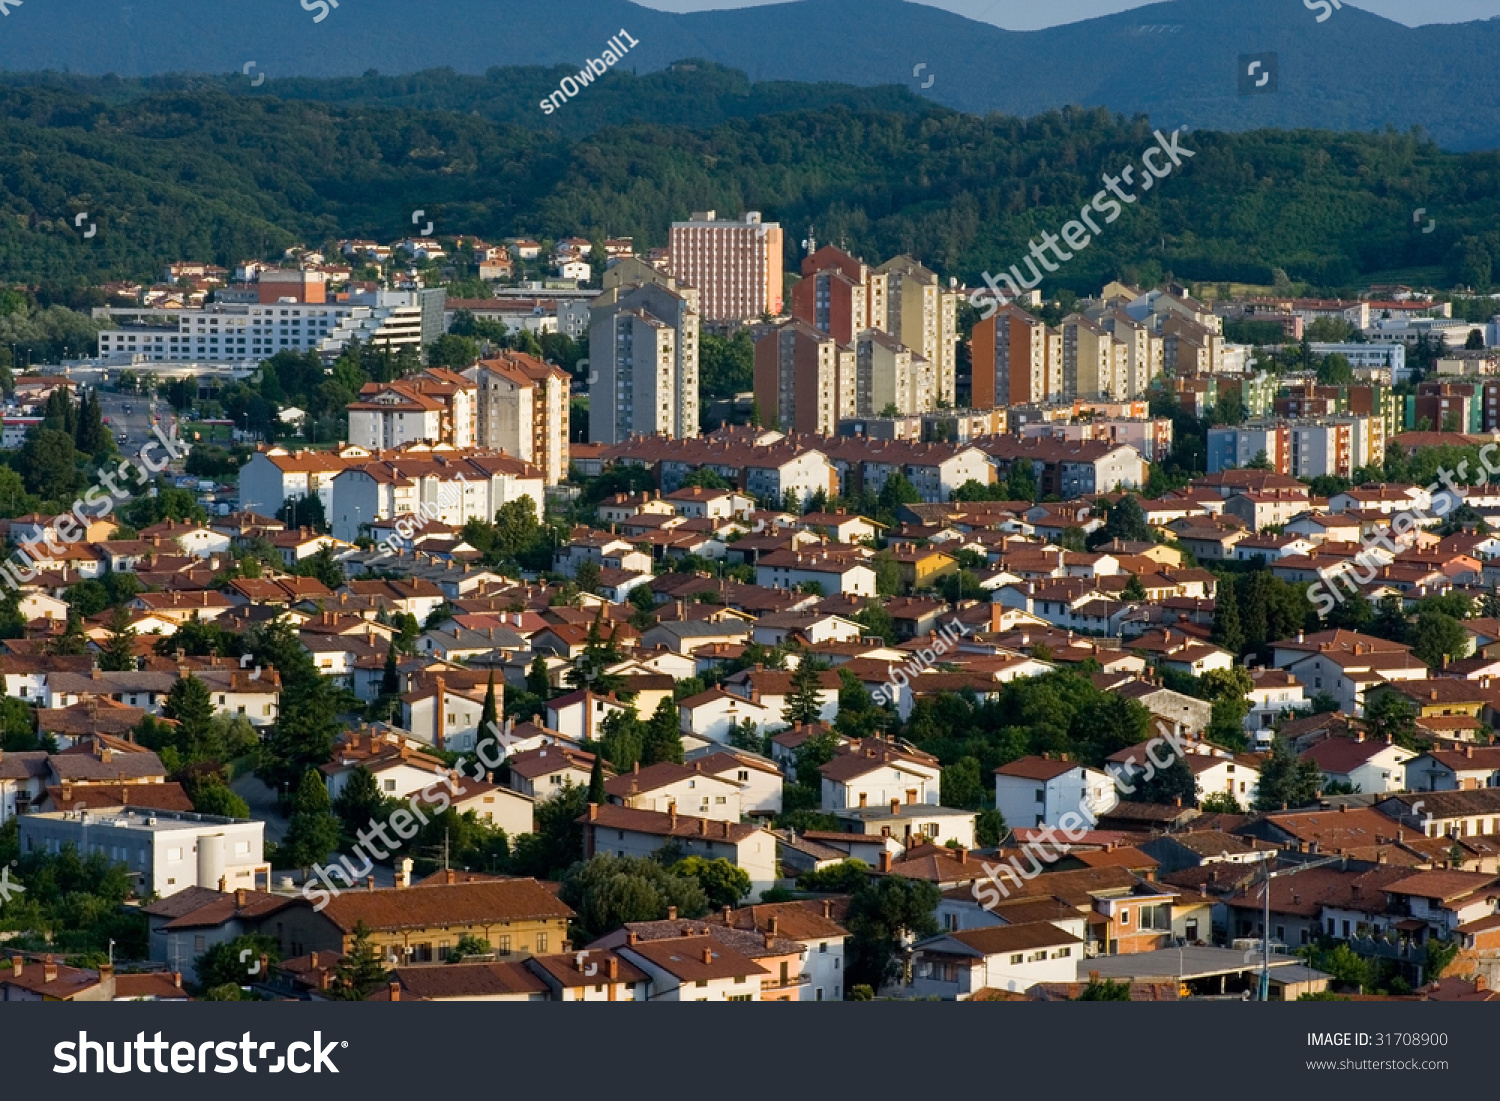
x: 450, y: 876
x: 885, y: 860
x: 895, y: 803
x: 395, y: 992
x: 1480, y: 983
x: 403, y: 873
x: 223, y: 885
x: 703, y: 827
x: 672, y: 815
x: 828, y: 909
x: 632, y: 939
x: 239, y: 897
x: 369, y: 882
x: 1343, y: 808
x: 708, y: 955
x: 612, y: 967
x: 963, y: 855
x: 17, y: 964
x: 49, y: 969
x: 771, y: 926
x: 671, y: 913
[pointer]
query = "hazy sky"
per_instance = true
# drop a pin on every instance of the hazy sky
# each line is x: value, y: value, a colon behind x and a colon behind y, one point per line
x: 1023, y: 15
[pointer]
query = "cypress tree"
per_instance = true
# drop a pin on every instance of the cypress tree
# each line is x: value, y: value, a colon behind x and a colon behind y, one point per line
x: 1227, y: 631
x: 489, y: 718
x: 596, y: 781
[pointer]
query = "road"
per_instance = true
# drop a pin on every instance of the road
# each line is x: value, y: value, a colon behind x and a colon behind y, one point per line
x: 137, y: 423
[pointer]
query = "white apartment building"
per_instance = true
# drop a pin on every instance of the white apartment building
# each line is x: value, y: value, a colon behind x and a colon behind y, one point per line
x: 735, y: 263
x: 249, y: 332
x: 163, y: 851
x: 447, y: 487
x: 1037, y: 791
x: 276, y: 475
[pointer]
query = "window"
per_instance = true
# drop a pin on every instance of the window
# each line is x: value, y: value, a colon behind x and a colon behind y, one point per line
x: 738, y: 998
x: 504, y: 944
x: 198, y: 943
x: 823, y: 947
x: 1124, y: 917
x: 1041, y: 795
x: 1017, y: 957
x: 390, y: 785
x: 701, y: 983
x: 541, y: 942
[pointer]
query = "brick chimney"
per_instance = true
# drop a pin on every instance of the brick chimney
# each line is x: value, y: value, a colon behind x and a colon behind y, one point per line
x: 49, y: 969
x: 240, y: 895
x: 632, y: 938
x: 885, y: 861
x: 671, y: 913
x: 612, y: 967
x: 395, y: 992
x: 708, y: 955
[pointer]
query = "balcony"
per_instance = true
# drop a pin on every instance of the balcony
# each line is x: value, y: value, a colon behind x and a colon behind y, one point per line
x: 776, y: 986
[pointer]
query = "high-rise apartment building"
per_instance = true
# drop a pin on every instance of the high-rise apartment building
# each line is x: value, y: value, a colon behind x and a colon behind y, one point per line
x: 804, y: 379
x: 923, y: 315
x: 643, y: 354
x: 888, y: 373
x: 1089, y: 359
x: 433, y: 406
x: 523, y: 411
x: 1013, y: 361
x: 736, y: 265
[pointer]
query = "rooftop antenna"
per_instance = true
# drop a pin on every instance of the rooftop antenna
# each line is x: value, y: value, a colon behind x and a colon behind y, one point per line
x: 811, y: 244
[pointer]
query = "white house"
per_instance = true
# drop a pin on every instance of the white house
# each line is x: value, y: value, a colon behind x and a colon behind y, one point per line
x: 1038, y: 791
x: 877, y: 778
x: 714, y: 715
x: 275, y: 476
x: 1012, y: 958
x: 443, y: 716
x: 688, y: 788
x: 759, y: 780
x: 1455, y: 770
x: 695, y: 969
x: 626, y: 831
x: 788, y: 569
x: 771, y: 688
x: 1276, y: 691
x: 1369, y: 765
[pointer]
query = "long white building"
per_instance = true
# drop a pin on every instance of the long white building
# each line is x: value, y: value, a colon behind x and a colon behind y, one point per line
x: 442, y: 484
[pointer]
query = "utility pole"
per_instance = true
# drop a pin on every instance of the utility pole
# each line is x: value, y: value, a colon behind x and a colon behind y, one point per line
x: 1264, y: 994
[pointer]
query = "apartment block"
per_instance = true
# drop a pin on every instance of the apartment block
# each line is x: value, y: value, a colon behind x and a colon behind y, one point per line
x: 435, y: 406
x: 804, y: 380
x: 1143, y: 351
x: 643, y: 350
x: 888, y: 373
x: 1089, y: 359
x: 1011, y: 361
x: 832, y: 303
x: 735, y: 264
x: 523, y: 411
x: 923, y: 315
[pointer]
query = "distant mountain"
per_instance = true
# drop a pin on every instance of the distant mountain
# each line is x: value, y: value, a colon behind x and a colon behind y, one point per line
x: 1177, y: 61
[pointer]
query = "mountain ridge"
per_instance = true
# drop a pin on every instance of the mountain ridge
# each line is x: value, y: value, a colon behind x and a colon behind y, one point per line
x: 1437, y: 76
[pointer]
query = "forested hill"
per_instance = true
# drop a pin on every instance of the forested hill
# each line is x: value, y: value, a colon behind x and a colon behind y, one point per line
x: 210, y: 176
x: 1177, y: 61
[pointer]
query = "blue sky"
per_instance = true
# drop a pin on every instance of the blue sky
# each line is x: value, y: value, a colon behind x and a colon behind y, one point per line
x: 1022, y: 15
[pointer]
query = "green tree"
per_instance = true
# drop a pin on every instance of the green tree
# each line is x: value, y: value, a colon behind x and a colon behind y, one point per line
x: 556, y: 842
x: 1220, y: 802
x: 1020, y: 481
x: 362, y: 970
x: 313, y: 831
x: 489, y: 715
x: 118, y: 654
x: 1167, y: 786
x: 538, y: 677
x: 1286, y: 780
x: 191, y: 707
x: 1105, y: 990
x: 610, y: 891
x: 843, y: 878
x: 723, y: 883
x: 881, y: 915
x: 663, y: 735
x: 1127, y: 520
x: 1390, y: 715
x: 961, y: 785
x: 360, y: 801
x: 597, y: 795
x: 1439, y: 638
x: 804, y: 701
x: 227, y: 962
x: 210, y: 794
x: 1227, y: 631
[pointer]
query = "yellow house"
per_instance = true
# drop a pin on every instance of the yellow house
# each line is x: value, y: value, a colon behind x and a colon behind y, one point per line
x: 515, y: 917
x: 1436, y: 696
x: 922, y: 566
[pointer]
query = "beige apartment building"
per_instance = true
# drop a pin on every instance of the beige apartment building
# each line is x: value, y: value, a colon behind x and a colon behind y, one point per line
x: 920, y: 313
x: 523, y: 411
